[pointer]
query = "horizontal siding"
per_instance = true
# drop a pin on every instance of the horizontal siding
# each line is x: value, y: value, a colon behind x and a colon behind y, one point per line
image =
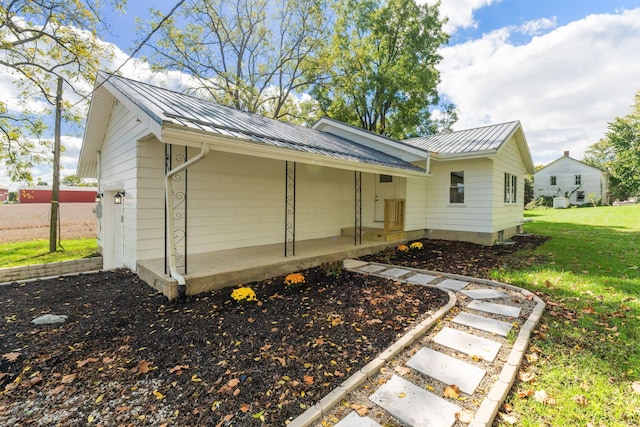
x: 416, y: 203
x: 565, y: 169
x: 475, y: 214
x: 508, y: 160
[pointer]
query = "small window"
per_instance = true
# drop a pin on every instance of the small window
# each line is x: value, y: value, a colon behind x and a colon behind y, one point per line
x: 580, y: 196
x: 553, y: 180
x: 578, y: 179
x: 386, y: 178
x: 510, y: 188
x: 456, y: 190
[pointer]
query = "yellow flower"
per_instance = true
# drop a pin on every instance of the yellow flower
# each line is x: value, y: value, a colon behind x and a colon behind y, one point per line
x: 416, y: 245
x: 244, y: 294
x: 403, y: 248
x: 294, y: 279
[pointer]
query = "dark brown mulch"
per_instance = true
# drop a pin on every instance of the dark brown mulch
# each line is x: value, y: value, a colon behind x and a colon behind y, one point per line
x: 126, y: 356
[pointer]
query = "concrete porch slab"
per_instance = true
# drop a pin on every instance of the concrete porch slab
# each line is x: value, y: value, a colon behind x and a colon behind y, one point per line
x: 231, y: 267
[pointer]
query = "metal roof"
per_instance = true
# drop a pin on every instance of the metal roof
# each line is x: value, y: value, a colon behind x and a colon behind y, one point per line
x: 487, y: 138
x: 168, y: 107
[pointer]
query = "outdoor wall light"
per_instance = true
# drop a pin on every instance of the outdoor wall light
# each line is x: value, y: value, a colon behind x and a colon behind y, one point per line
x: 117, y: 199
x: 99, y: 198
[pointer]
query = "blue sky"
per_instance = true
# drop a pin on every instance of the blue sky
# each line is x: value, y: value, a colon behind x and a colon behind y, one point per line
x: 564, y: 68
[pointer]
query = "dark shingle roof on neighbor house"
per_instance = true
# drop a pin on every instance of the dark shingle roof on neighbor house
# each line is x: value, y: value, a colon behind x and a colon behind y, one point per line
x: 482, y: 139
x: 168, y: 107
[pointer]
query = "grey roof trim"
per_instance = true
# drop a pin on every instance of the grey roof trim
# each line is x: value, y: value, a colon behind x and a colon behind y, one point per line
x: 575, y: 160
x: 165, y: 107
x: 483, y: 139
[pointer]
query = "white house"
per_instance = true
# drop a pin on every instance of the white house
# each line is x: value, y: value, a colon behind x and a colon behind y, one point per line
x: 568, y: 177
x: 182, y: 178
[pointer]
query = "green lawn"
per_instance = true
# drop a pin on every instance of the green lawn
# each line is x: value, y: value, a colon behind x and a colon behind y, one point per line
x: 37, y: 252
x: 585, y: 353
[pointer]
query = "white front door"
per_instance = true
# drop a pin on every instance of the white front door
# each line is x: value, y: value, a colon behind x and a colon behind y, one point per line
x: 386, y: 188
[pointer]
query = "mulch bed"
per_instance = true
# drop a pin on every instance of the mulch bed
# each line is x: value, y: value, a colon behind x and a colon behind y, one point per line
x: 126, y: 356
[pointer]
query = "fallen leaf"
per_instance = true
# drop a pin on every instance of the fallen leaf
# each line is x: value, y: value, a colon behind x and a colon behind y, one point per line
x: 59, y: 389
x: 465, y: 416
x: 244, y: 408
x: 636, y: 386
x: 360, y: 409
x: 526, y: 377
x: 308, y: 379
x: 451, y: 391
x: 11, y: 357
x: 81, y: 363
x: 234, y: 382
x: 580, y: 400
x: 527, y: 393
x: 99, y: 398
x: 158, y: 395
x: 178, y: 369
x: 236, y: 392
x: 401, y: 395
x: 540, y: 396
x: 68, y: 379
x: 144, y: 367
x: 509, y: 419
x: 402, y: 370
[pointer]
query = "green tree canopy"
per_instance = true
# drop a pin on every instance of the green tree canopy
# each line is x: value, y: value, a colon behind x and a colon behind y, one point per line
x: 623, y: 136
x: 39, y: 42
x: 381, y: 66
x: 253, y: 55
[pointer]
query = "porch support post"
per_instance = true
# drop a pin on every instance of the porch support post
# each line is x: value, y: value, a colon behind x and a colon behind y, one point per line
x: 168, y: 185
x: 357, y: 229
x: 290, y: 209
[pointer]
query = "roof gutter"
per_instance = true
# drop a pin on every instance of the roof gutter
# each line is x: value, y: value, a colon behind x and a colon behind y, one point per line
x: 168, y: 185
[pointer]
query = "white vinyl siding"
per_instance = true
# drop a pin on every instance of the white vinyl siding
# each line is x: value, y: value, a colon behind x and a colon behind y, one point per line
x: 416, y: 206
x: 507, y: 216
x: 571, y: 176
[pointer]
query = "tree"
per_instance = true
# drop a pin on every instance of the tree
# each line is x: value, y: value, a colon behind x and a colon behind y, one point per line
x: 382, y: 68
x: 602, y: 155
x: 39, y: 42
x: 253, y: 55
x: 623, y: 135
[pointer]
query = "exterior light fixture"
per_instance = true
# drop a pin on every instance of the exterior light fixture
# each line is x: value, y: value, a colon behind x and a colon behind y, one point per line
x: 99, y: 198
x: 117, y: 199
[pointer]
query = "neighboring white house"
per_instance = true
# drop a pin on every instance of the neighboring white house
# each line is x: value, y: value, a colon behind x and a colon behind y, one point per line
x: 244, y: 180
x: 568, y: 177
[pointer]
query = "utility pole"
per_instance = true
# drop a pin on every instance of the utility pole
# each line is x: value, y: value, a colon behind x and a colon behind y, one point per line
x: 53, y: 226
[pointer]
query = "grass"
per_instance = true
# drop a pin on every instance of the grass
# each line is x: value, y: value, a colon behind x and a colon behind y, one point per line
x: 584, y: 353
x: 37, y: 252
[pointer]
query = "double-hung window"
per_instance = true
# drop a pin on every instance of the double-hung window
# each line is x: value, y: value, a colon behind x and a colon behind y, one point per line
x: 510, y: 188
x: 456, y: 188
x: 578, y: 179
x: 552, y: 180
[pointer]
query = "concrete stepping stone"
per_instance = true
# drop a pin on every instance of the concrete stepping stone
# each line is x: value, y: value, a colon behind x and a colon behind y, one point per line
x: 394, y: 272
x: 486, y: 324
x: 447, y: 369
x: 452, y: 284
x: 420, y: 279
x: 355, y: 420
x: 350, y: 263
x: 468, y: 344
x: 490, y: 307
x: 484, y: 293
x: 372, y: 268
x: 50, y: 319
x: 413, y: 405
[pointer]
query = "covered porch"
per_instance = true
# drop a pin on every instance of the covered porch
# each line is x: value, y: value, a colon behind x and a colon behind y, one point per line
x: 231, y: 267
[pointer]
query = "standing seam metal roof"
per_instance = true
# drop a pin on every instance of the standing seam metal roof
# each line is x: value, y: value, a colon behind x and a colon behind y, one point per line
x: 485, y: 138
x: 166, y: 106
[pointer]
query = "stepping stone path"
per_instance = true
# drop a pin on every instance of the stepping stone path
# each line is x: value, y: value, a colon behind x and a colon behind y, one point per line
x: 456, y: 352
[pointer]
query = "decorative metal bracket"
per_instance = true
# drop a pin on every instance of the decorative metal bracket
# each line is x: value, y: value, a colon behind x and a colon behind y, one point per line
x: 290, y: 209
x: 357, y: 233
x: 175, y: 157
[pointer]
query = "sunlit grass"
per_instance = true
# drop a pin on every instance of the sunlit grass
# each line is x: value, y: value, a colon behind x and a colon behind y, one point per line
x: 584, y: 351
x: 37, y: 252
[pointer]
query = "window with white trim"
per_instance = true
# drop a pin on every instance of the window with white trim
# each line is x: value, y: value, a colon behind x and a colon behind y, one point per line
x: 580, y: 196
x: 456, y: 188
x: 552, y: 180
x: 510, y: 188
x: 578, y: 179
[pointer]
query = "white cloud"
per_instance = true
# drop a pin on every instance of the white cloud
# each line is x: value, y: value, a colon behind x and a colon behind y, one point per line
x: 538, y: 26
x: 564, y: 86
x: 459, y: 12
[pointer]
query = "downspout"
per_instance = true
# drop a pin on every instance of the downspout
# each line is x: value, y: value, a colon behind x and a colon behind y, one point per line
x: 168, y: 185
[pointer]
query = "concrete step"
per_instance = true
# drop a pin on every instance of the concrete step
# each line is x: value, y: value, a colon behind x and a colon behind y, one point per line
x: 468, y: 344
x: 447, y: 369
x: 413, y: 405
x: 483, y: 323
x: 490, y: 307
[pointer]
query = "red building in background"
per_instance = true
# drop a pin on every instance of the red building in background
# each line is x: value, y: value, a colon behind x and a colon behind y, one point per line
x: 42, y: 194
x: 4, y: 195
